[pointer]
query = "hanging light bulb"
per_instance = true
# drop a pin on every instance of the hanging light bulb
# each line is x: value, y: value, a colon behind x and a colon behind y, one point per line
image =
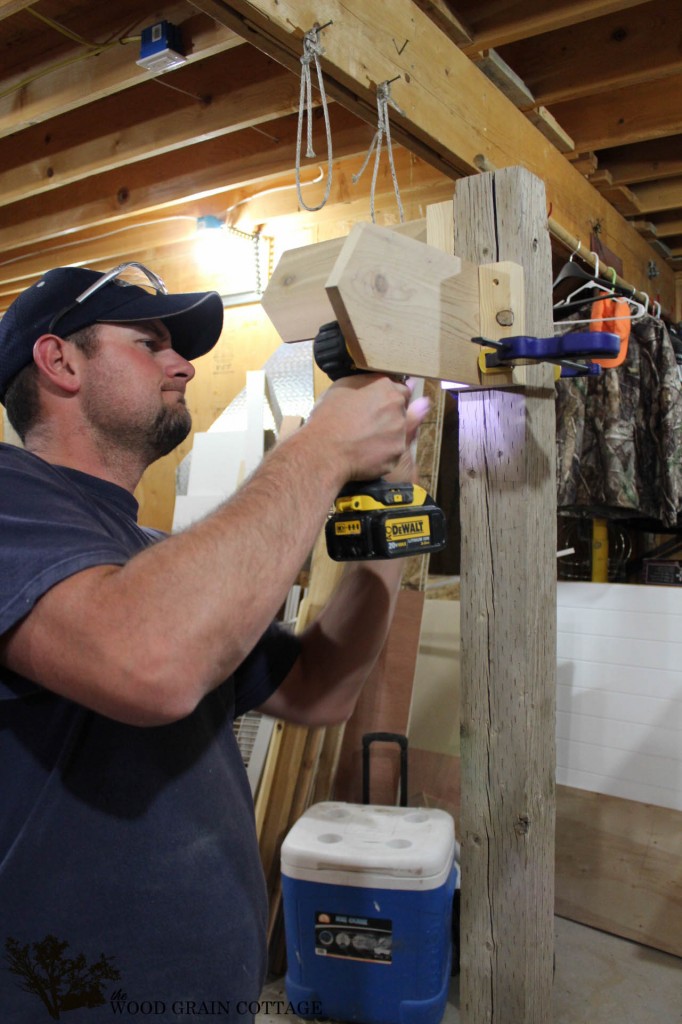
x: 235, y: 260
x: 210, y: 247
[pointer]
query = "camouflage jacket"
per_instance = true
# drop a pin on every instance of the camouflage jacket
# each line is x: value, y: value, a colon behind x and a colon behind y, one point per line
x: 619, y: 435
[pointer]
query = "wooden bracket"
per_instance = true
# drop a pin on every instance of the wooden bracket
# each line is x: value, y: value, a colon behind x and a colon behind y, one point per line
x: 404, y: 307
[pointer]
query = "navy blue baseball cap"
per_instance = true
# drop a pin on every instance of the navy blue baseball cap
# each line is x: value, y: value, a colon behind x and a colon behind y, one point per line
x: 67, y: 299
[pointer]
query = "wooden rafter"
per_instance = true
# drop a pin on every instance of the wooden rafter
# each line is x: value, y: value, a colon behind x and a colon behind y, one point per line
x: 10, y: 7
x: 87, y: 77
x: 626, y: 115
x: 666, y: 195
x: 492, y: 27
x: 629, y: 47
x: 157, y: 184
x: 667, y: 226
x: 644, y: 161
x: 155, y: 125
x: 442, y: 15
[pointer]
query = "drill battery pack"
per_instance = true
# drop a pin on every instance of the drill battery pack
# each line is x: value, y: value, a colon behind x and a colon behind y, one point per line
x: 375, y: 519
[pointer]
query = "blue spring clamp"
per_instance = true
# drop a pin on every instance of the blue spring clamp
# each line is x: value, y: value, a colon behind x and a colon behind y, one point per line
x: 572, y: 352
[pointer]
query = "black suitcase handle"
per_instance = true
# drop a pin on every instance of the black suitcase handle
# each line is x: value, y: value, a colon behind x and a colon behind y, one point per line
x: 384, y: 737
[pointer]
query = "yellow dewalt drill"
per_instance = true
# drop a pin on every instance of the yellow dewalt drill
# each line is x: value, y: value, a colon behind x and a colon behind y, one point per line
x: 373, y: 518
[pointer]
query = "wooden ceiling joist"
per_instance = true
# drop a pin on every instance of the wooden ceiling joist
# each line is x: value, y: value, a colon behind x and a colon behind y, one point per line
x: 652, y: 160
x: 628, y: 47
x: 623, y: 116
x: 153, y: 126
x: 88, y: 77
x: 442, y: 15
x: 667, y: 226
x: 494, y: 27
x: 155, y: 233
x: 162, y: 231
x: 624, y: 200
x: 586, y: 163
x: 10, y: 7
x: 665, y: 195
x: 163, y: 182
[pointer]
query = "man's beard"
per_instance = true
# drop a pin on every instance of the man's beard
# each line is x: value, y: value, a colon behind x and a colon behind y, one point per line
x: 149, y: 441
x: 169, y: 429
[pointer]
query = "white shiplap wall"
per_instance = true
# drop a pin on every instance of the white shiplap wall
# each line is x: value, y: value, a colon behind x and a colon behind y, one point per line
x: 619, y: 696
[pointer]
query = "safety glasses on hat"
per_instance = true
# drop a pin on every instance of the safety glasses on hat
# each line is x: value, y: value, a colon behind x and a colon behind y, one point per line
x: 136, y: 274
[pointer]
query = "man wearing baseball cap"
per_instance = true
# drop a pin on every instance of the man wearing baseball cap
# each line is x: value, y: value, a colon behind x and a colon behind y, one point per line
x: 127, y: 828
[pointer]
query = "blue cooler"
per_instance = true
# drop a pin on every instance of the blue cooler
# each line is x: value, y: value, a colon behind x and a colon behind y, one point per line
x: 367, y: 895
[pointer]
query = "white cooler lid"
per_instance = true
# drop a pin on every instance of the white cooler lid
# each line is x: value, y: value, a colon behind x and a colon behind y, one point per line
x: 373, y: 846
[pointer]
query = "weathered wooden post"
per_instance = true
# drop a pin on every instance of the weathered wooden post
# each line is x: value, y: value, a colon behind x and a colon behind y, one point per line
x: 508, y: 630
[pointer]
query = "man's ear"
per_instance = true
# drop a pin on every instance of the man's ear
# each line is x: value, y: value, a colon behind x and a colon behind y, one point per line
x: 54, y: 358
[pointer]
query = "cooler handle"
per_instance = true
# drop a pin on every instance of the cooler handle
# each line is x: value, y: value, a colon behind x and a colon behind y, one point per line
x: 384, y: 737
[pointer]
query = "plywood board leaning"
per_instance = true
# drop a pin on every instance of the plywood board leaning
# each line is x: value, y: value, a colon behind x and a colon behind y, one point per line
x: 433, y: 727
x: 434, y: 711
x: 619, y: 867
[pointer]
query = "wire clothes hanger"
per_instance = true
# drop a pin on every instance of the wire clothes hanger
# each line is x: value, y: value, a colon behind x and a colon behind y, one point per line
x: 570, y: 274
x: 595, y: 288
x: 572, y: 271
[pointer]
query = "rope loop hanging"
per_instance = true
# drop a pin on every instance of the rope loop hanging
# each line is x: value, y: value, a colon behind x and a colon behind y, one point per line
x: 384, y: 98
x: 312, y: 51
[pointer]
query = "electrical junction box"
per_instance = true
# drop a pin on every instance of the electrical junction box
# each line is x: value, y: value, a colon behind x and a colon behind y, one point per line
x: 160, y: 47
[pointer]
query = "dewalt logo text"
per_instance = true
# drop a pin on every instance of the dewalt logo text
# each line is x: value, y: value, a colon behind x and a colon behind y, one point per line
x: 401, y: 529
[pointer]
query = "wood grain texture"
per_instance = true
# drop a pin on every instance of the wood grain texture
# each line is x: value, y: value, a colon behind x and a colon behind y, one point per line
x: 405, y: 307
x: 619, y: 867
x: 508, y: 629
x: 295, y: 298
